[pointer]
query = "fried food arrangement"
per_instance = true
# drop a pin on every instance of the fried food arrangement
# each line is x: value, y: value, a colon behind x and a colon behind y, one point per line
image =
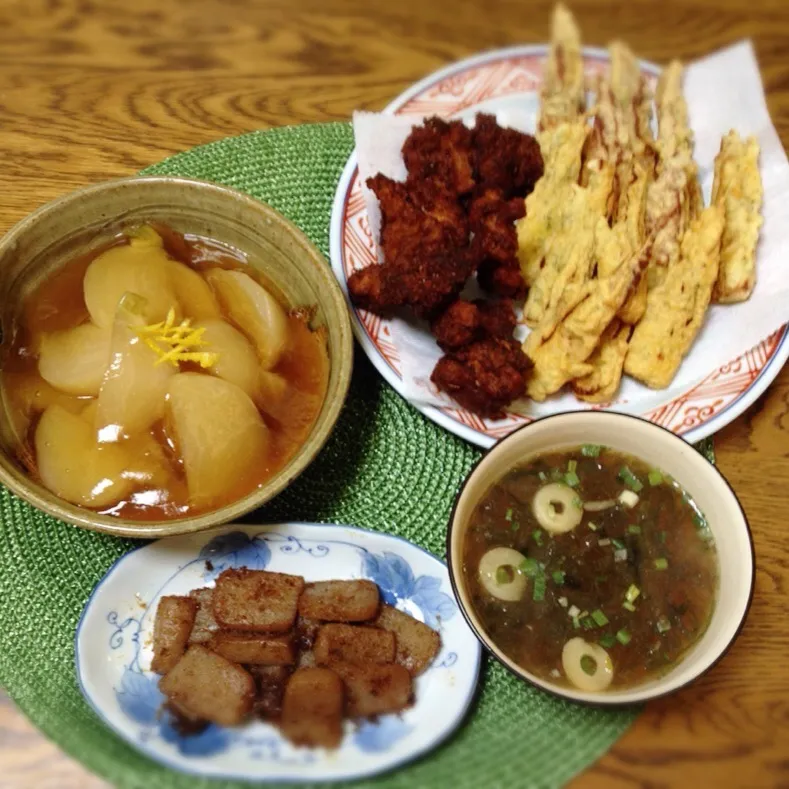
x: 451, y: 218
x: 620, y: 257
x: 302, y: 656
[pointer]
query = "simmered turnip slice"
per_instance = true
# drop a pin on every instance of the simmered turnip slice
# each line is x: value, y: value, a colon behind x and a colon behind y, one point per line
x: 237, y: 359
x: 74, y: 360
x: 132, y: 394
x: 220, y: 434
x: 254, y: 310
x: 148, y: 465
x: 193, y: 293
x: 72, y: 464
x: 141, y: 267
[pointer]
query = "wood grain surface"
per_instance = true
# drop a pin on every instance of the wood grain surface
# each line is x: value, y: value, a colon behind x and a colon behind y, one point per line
x: 94, y: 89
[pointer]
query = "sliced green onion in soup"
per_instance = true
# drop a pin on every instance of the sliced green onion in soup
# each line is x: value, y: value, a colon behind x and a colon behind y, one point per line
x: 661, y: 563
x: 572, y: 479
x: 538, y: 593
x: 630, y: 479
x: 632, y: 593
x: 623, y: 637
x: 655, y: 477
x: 558, y: 577
x: 537, y: 536
x: 628, y: 606
x: 599, y: 617
x: 634, y: 529
x: 530, y: 567
x: 572, y: 465
x: 591, y: 450
x: 607, y: 640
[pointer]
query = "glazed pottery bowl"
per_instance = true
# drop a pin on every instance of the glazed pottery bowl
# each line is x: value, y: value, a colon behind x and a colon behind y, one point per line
x: 60, y: 230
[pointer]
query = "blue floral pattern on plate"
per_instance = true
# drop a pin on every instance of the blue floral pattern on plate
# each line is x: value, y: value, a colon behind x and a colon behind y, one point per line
x: 126, y: 694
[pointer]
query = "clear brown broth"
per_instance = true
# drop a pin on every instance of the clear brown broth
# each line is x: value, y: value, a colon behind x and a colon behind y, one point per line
x: 670, y: 527
x: 58, y: 304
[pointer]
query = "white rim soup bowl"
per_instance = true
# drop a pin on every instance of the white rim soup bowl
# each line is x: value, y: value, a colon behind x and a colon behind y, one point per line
x: 659, y: 448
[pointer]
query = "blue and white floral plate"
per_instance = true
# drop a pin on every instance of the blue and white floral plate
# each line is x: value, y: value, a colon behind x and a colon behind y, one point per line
x: 115, y: 635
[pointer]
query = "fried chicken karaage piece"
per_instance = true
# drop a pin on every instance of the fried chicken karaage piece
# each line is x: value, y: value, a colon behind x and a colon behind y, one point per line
x: 465, y: 322
x: 506, y: 159
x: 424, y: 239
x: 441, y: 151
x: 484, y: 377
x: 494, y: 247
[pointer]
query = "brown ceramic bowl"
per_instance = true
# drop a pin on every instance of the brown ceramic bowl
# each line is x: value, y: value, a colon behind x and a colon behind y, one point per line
x: 59, y: 230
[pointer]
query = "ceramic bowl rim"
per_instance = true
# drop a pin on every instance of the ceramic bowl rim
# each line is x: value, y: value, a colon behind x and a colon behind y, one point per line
x: 592, y: 700
x: 37, y: 496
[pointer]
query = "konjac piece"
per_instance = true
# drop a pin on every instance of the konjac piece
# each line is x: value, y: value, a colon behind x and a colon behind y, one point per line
x: 257, y: 600
x: 417, y: 644
x: 353, y: 644
x: 375, y: 689
x: 312, y: 708
x: 340, y: 601
x: 256, y: 648
x: 172, y: 626
x: 206, y: 686
x: 219, y: 432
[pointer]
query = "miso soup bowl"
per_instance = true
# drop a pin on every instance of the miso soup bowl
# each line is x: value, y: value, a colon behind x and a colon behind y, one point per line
x: 66, y: 227
x: 659, y: 448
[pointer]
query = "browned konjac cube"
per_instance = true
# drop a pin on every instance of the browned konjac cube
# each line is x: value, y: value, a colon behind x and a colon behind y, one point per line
x: 207, y: 686
x: 375, y: 689
x: 259, y: 648
x: 205, y: 625
x: 417, y: 644
x: 353, y: 644
x: 257, y: 600
x: 175, y: 617
x: 271, y: 682
x: 340, y: 601
x: 312, y: 708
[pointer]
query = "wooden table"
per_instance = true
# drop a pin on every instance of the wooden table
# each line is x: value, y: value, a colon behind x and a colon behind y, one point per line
x: 91, y: 90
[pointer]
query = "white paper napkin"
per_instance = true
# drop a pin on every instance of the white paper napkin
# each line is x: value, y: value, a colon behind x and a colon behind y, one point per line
x: 723, y: 91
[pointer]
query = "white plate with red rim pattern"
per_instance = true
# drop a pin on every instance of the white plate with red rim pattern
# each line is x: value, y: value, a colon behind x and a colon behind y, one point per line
x: 493, y: 82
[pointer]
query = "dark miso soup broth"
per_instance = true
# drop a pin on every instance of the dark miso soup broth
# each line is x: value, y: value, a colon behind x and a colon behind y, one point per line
x: 591, y: 569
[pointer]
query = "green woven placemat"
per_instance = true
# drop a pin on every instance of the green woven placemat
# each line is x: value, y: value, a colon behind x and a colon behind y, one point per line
x: 385, y: 468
